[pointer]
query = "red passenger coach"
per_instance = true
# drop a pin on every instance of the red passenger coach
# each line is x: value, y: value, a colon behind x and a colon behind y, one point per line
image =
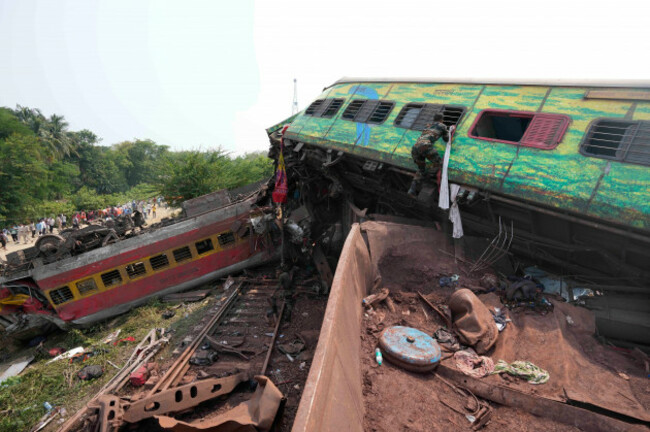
x: 110, y: 280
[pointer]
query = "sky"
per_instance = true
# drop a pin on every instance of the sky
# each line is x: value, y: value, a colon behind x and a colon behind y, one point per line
x: 198, y: 74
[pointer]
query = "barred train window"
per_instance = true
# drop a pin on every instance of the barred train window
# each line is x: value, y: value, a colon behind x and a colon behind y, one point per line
x: 88, y: 285
x: 61, y: 295
x: 326, y: 108
x: 368, y: 111
x: 622, y: 140
x: 159, y: 261
x: 529, y: 129
x: 204, y: 246
x: 417, y: 116
x: 136, y: 269
x: 110, y: 278
x: 225, y: 238
x: 182, y: 254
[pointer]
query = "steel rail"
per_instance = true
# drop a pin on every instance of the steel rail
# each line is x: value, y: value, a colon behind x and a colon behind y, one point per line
x: 275, y: 335
x: 175, y: 373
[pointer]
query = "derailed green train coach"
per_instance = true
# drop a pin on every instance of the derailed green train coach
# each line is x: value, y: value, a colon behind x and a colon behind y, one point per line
x: 566, y: 164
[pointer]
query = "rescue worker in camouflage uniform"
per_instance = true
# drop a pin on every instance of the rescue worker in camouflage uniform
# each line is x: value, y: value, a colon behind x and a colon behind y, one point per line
x: 423, y: 150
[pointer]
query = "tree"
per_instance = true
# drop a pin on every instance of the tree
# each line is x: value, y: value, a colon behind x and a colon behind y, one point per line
x: 23, y: 176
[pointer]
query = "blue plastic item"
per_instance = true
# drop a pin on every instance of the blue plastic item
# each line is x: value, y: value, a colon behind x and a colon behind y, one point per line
x: 410, y: 348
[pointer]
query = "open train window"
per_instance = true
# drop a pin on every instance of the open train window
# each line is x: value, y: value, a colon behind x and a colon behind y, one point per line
x: 204, y: 246
x: 622, y: 140
x: 61, y: 295
x: 529, y: 129
x: 182, y: 254
x: 225, y: 238
x: 89, y: 285
x: 417, y: 116
x: 136, y: 269
x: 159, y: 261
x: 368, y: 111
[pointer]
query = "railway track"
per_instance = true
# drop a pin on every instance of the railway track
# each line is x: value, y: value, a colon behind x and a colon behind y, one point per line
x: 233, y: 347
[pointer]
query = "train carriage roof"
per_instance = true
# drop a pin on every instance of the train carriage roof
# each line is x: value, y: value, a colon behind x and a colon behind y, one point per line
x: 638, y: 84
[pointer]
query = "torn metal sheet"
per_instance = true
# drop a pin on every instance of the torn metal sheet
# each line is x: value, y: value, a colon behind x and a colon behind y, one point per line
x: 181, y: 398
x: 257, y: 414
x: 187, y: 296
x: 16, y: 368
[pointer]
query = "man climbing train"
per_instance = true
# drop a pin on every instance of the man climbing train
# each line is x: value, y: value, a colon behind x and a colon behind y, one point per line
x: 423, y: 150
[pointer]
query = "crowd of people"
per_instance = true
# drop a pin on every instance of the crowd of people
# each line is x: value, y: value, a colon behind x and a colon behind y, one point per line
x: 28, y: 232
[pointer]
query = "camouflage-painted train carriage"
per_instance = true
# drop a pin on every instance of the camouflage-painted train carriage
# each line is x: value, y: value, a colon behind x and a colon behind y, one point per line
x: 568, y: 164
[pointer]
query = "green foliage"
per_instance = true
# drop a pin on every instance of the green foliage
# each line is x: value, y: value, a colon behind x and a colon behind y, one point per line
x: 191, y: 174
x: 46, y: 169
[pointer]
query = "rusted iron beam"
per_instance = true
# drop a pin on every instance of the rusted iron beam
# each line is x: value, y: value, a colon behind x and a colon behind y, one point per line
x: 540, y: 406
x: 183, y: 397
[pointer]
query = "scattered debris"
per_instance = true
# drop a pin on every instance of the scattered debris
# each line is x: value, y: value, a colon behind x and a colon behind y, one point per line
x: 470, y: 363
x: 16, y: 368
x: 68, y: 354
x: 523, y: 369
x: 191, y: 296
x: 447, y: 340
x: 376, y: 298
x: 473, y: 321
x: 409, y: 348
x: 90, y: 372
x: 259, y: 413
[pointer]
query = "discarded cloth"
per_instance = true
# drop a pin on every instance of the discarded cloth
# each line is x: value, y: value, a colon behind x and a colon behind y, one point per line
x: 446, y: 339
x: 500, y: 318
x: 90, y: 372
x: 474, y: 322
x: 523, y: 369
x: 470, y: 363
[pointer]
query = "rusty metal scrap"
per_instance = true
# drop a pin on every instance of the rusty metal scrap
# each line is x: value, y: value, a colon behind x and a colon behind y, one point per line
x: 111, y: 413
x: 259, y: 413
x: 181, y: 398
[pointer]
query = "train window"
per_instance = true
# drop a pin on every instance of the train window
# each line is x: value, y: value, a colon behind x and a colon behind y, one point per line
x: 311, y: 109
x: 417, y: 116
x: 225, y: 238
x: 159, y: 261
x: 136, y: 269
x: 61, y: 295
x: 182, y: 254
x: 110, y: 278
x: 89, y: 285
x: 332, y: 108
x: 368, y: 111
x: 528, y: 129
x: 204, y: 246
x: 324, y: 107
x: 627, y: 141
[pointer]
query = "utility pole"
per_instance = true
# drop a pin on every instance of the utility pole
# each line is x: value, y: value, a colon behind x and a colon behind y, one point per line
x: 294, y: 106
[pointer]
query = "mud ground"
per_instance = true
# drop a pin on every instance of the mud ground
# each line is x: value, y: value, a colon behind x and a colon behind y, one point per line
x: 397, y: 400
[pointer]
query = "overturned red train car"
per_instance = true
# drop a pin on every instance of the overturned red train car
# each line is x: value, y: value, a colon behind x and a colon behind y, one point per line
x: 104, y: 282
